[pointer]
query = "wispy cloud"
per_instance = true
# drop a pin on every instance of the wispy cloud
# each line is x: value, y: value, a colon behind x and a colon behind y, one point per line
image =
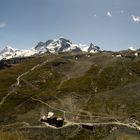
x: 95, y: 15
x: 135, y: 18
x: 2, y: 24
x: 121, y: 11
x: 109, y: 14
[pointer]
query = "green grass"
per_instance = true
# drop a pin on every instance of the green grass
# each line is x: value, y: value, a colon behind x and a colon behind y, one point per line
x: 10, y: 136
x: 101, y: 84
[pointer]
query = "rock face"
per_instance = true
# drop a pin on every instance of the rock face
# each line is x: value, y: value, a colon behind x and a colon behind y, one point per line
x: 93, y: 49
x: 42, y: 47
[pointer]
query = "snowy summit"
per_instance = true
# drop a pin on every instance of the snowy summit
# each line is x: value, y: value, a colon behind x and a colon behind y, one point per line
x: 50, y: 46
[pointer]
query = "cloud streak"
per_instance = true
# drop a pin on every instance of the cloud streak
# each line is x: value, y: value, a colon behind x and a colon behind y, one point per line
x: 121, y: 11
x: 109, y: 14
x: 95, y: 15
x: 2, y: 24
x: 135, y: 18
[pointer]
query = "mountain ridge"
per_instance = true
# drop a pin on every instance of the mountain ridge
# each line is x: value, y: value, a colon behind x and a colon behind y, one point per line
x: 50, y: 46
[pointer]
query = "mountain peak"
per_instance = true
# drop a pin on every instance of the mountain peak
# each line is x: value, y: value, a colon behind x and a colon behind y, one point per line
x: 93, y: 48
x: 64, y: 45
x: 131, y: 48
x: 64, y: 39
x: 7, y: 49
x: 52, y: 46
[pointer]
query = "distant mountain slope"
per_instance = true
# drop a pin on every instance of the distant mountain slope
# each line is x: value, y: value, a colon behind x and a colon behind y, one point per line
x: 8, y: 53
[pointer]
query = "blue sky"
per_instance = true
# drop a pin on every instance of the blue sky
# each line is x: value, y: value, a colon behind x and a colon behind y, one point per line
x: 110, y: 24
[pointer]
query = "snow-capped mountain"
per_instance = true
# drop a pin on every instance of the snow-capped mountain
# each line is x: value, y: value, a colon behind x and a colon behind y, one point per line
x: 7, y: 49
x: 132, y: 49
x: 8, y: 52
x: 55, y: 46
x: 92, y: 48
x: 63, y: 45
x: 51, y: 46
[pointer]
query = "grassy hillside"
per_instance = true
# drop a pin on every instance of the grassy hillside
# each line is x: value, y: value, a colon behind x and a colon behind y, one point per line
x: 75, y: 86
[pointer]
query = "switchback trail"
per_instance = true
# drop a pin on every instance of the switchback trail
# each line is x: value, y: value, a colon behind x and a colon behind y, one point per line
x: 68, y: 112
x: 116, y: 122
x: 133, y: 126
x: 13, y: 86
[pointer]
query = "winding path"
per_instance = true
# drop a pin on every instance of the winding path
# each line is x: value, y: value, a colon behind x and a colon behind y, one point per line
x: 129, y: 125
x: 116, y: 122
x: 68, y: 112
x: 18, y: 82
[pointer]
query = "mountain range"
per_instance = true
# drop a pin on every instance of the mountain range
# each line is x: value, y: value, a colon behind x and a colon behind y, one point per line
x: 97, y: 95
x: 51, y: 46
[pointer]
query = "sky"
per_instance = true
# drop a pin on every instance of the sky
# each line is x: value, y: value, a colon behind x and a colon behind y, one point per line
x: 110, y: 24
